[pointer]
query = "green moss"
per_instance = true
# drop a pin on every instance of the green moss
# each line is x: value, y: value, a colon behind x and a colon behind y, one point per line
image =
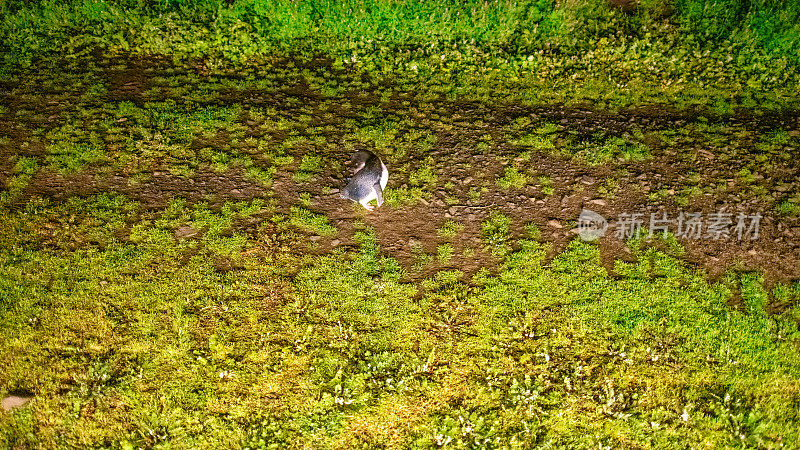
x: 450, y: 228
x: 512, y: 178
x: 172, y: 329
x: 546, y: 184
x: 444, y: 252
x: 423, y: 176
x: 24, y: 170
x: 789, y: 208
x: 496, y: 233
x: 309, y: 166
x: 308, y: 220
x: 261, y: 176
x: 614, y: 148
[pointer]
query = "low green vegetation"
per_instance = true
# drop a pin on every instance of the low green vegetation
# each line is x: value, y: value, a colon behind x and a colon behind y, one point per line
x: 444, y: 252
x: 24, y: 170
x: 546, y: 185
x: 310, y: 221
x: 496, y: 233
x: 177, y: 270
x: 613, y: 148
x: 309, y: 166
x: 789, y: 208
x: 127, y: 333
x: 717, y: 55
x: 512, y: 178
x: 450, y: 228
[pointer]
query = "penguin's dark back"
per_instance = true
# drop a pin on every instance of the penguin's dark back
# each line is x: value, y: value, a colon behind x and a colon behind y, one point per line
x: 362, y: 183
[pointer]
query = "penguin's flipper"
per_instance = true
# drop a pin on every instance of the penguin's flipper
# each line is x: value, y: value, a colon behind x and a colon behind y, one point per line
x: 378, y: 192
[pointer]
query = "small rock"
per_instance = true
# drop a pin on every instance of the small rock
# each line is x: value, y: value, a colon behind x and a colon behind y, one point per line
x: 468, y: 180
x: 314, y: 238
x: 185, y: 232
x: 13, y: 402
x: 554, y: 223
x: 598, y: 201
x: 706, y: 153
x: 335, y: 243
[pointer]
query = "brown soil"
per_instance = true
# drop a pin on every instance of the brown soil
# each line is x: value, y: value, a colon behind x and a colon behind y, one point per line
x: 776, y: 252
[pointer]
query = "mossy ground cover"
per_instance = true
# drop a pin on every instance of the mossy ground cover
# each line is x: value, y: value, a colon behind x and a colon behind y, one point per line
x: 706, y: 54
x: 177, y: 269
x: 146, y: 341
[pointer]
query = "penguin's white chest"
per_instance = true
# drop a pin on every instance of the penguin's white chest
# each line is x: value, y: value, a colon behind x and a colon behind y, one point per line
x: 384, y: 176
x: 383, y: 180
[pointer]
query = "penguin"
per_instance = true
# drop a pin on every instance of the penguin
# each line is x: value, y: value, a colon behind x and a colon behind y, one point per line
x: 369, y: 179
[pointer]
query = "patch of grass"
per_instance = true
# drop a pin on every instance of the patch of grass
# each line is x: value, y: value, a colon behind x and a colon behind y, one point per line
x: 546, y: 184
x: 362, y: 291
x: 261, y: 176
x: 512, y: 178
x: 609, y: 188
x: 70, y: 148
x: 450, y: 228
x: 402, y: 195
x: 423, y: 175
x: 533, y: 231
x: 310, y: 165
x: 181, y: 124
x: 238, y: 339
x: 614, y: 148
x: 535, y: 141
x: 283, y: 160
x: 496, y: 233
x: 24, y: 170
x: 421, y: 258
x: 539, y: 139
x: 475, y: 193
x: 381, y: 134
x: 444, y: 252
x: 789, y: 208
x: 308, y: 220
